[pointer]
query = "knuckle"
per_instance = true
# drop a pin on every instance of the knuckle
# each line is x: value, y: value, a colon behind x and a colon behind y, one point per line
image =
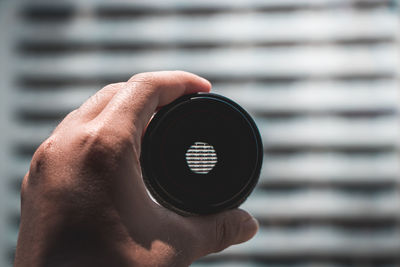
x: 73, y: 113
x: 67, y: 120
x: 95, y: 139
x: 45, y: 151
x: 109, y: 88
x: 102, y: 136
x: 112, y: 86
x: 223, y: 232
x: 41, y: 160
x: 148, y: 78
x: 102, y: 147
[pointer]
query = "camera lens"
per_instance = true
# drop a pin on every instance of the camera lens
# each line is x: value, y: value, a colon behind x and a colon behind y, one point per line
x: 201, y: 154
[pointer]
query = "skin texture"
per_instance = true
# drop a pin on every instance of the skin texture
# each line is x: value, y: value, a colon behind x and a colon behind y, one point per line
x: 84, y: 203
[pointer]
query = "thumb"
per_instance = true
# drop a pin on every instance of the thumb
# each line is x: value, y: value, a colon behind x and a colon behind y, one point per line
x: 219, y: 231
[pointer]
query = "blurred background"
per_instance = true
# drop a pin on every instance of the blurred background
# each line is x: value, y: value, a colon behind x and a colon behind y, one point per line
x: 321, y: 78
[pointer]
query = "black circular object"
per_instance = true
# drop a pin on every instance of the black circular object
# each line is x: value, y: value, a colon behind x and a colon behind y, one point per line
x: 201, y: 154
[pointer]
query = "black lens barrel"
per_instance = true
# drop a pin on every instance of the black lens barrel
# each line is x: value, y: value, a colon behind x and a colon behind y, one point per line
x: 201, y: 154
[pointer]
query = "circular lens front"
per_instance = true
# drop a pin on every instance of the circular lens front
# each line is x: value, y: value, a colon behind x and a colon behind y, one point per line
x: 201, y: 154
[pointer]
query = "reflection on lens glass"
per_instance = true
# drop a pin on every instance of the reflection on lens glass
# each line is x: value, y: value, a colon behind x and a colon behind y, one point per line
x: 201, y: 157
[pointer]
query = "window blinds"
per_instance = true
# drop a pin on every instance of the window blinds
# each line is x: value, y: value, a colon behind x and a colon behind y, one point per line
x: 320, y: 77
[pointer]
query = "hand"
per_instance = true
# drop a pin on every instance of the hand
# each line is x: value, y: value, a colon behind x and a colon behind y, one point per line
x: 84, y: 203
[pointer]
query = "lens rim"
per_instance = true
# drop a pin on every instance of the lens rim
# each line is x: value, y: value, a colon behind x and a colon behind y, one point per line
x: 151, y: 180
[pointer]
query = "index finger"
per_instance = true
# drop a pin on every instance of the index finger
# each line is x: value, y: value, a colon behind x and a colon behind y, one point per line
x: 134, y: 104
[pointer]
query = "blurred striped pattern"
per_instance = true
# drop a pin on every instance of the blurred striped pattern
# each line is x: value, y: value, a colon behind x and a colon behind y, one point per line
x: 201, y: 158
x: 320, y: 77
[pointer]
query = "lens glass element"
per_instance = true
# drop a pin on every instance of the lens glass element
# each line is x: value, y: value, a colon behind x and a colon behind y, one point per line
x: 201, y: 158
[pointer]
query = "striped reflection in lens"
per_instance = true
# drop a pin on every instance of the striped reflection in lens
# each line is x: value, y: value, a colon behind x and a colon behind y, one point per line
x: 201, y: 157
